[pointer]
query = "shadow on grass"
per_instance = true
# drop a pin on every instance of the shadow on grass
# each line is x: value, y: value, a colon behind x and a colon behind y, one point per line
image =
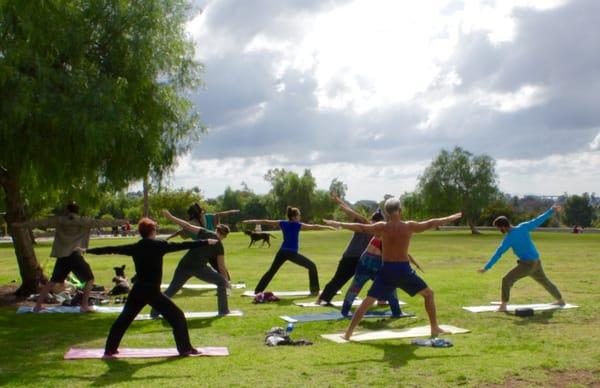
x: 48, y: 336
x: 398, y: 355
x: 542, y: 318
x: 118, y: 371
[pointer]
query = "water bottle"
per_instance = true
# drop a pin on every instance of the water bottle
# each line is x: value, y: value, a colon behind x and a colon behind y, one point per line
x: 289, y: 328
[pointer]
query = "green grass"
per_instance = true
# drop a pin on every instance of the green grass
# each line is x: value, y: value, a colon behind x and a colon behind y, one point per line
x: 500, y: 347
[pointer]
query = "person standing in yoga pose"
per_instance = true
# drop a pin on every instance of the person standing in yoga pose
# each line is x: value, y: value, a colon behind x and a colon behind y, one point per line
x: 396, y: 271
x: 347, y: 264
x: 72, y: 231
x: 529, y: 264
x: 148, y: 259
x: 289, y: 249
x: 195, y: 263
x: 198, y: 217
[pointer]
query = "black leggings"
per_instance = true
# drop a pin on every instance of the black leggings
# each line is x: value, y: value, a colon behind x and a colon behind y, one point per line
x: 281, y: 257
x: 140, y: 296
x: 345, y: 271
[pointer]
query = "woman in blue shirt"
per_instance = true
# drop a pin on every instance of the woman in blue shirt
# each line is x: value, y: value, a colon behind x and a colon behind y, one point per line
x: 289, y: 249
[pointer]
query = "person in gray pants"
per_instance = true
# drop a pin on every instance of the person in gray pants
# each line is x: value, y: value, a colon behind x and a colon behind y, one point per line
x: 195, y: 263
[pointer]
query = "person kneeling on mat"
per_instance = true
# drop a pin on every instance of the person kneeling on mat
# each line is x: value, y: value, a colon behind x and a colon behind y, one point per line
x: 148, y: 259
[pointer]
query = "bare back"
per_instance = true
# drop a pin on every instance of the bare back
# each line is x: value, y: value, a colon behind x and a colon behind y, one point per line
x: 395, y: 237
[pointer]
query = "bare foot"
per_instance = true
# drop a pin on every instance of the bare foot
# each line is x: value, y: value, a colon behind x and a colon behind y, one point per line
x: 86, y: 309
x: 559, y: 302
x: 190, y: 352
x: 318, y: 301
x: 38, y: 309
x: 347, y: 336
x: 436, y: 330
x: 502, y: 308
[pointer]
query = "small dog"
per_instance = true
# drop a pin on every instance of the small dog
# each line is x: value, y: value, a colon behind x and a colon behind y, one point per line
x: 258, y: 236
x: 121, y: 283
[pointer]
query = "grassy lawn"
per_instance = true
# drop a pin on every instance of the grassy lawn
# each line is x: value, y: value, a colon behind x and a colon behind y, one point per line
x: 547, y: 349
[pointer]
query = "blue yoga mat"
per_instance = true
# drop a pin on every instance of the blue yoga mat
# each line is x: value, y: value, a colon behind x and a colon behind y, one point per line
x: 335, y: 316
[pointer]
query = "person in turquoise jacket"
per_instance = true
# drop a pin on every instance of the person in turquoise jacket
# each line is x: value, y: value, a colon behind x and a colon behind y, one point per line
x: 519, y: 239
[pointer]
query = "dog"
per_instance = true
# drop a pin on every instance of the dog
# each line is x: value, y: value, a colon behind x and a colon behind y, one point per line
x: 121, y: 283
x: 258, y: 236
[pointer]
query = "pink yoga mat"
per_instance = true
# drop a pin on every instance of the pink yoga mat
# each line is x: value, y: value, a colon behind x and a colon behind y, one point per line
x: 79, y: 353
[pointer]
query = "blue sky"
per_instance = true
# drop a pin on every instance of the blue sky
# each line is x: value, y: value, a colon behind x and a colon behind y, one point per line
x: 369, y: 92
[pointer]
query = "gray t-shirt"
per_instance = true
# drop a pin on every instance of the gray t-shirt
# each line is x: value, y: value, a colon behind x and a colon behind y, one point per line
x: 357, y: 245
x: 72, y: 231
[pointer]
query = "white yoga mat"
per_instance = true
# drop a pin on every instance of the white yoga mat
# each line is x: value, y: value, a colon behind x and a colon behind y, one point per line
x: 513, y: 307
x: 282, y: 293
x: 420, y: 331
x: 206, y: 286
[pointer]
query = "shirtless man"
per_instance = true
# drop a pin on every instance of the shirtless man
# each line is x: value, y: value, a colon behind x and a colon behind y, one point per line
x: 396, y: 271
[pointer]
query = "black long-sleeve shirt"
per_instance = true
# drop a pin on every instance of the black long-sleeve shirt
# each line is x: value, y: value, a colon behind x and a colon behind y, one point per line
x: 148, y: 256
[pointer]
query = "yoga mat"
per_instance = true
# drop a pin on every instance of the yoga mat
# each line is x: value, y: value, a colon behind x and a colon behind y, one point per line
x: 282, y: 293
x: 337, y: 303
x: 80, y: 354
x: 420, y: 331
x: 191, y: 315
x: 70, y: 309
x: 118, y: 309
x: 206, y: 286
x: 513, y: 307
x: 335, y: 316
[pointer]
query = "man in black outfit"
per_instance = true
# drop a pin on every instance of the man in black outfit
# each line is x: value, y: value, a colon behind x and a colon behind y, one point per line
x: 356, y: 247
x: 148, y: 258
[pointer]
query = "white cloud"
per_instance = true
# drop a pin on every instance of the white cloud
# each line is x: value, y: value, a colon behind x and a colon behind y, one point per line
x: 365, y: 91
x: 595, y: 144
x: 526, y: 97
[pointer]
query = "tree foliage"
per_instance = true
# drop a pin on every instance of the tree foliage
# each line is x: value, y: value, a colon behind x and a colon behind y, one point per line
x: 459, y: 180
x: 93, y: 97
x: 579, y: 210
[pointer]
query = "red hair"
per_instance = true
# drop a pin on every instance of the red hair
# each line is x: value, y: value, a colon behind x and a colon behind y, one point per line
x: 146, y: 226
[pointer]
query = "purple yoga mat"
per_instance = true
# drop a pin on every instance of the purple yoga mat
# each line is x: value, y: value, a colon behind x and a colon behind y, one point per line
x: 82, y: 353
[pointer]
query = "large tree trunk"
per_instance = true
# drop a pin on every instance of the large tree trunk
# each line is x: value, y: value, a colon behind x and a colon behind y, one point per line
x: 473, y: 227
x: 31, y: 272
x: 146, y: 188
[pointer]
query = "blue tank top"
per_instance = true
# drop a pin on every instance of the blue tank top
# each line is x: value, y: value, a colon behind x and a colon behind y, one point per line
x: 291, y: 231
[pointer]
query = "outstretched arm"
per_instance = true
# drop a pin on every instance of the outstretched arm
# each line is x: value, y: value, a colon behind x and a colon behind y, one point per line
x: 126, y: 250
x: 174, y: 247
x: 418, y: 227
x: 49, y: 222
x: 315, y: 227
x: 226, y: 212
x: 356, y: 227
x: 184, y: 224
x: 414, y: 262
x: 262, y: 222
x: 539, y: 220
x: 354, y: 215
x: 499, y: 252
x: 181, y: 233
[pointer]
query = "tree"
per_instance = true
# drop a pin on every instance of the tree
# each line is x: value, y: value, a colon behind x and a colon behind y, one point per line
x: 459, y: 180
x: 93, y: 98
x: 288, y: 188
x: 579, y: 210
x: 496, y: 209
x: 338, y: 188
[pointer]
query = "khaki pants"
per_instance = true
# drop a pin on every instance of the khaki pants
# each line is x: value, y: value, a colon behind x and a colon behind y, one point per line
x: 524, y: 269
